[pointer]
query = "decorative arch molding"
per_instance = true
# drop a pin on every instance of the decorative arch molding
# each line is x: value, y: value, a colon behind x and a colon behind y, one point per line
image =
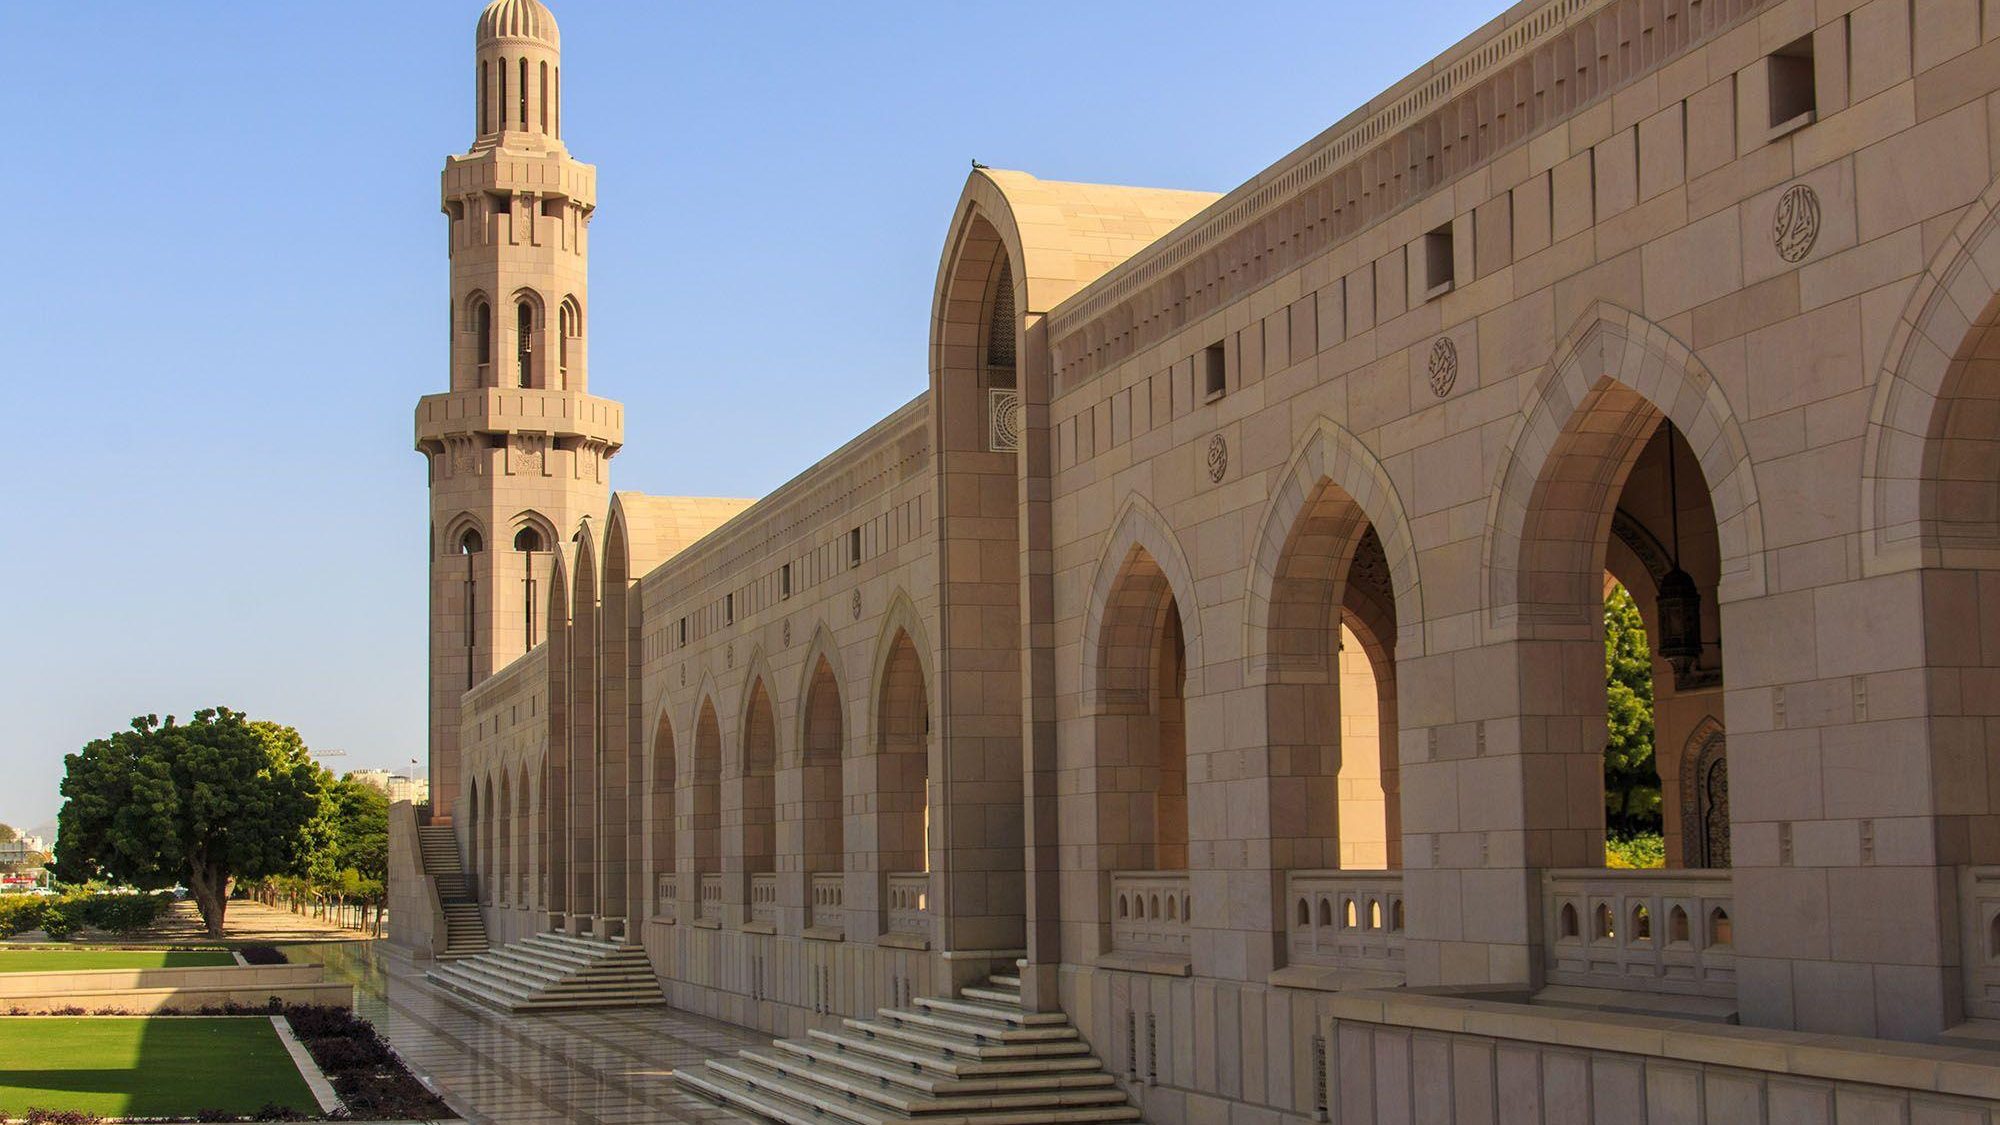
x: 1954, y: 299
x: 457, y: 527
x: 822, y: 647
x: 1704, y: 796
x: 899, y: 616
x: 706, y: 695
x: 757, y: 670
x: 528, y: 519
x: 1138, y: 533
x: 1329, y: 454
x: 1612, y: 345
x: 532, y: 297
x: 663, y: 720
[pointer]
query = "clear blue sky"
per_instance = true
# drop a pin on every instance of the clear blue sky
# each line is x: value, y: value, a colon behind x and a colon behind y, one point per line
x: 224, y: 278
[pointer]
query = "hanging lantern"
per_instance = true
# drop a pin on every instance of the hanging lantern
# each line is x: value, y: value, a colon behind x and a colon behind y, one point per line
x: 1680, y: 621
x: 1680, y: 600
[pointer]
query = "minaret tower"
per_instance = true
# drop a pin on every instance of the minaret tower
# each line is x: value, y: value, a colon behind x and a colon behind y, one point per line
x: 518, y: 451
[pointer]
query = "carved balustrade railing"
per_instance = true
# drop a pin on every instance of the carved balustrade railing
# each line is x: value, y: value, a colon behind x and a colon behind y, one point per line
x: 711, y: 897
x: 764, y: 897
x: 1647, y: 931
x: 1151, y: 912
x: 1979, y: 914
x: 666, y: 896
x: 1345, y: 919
x: 825, y: 901
x: 910, y: 903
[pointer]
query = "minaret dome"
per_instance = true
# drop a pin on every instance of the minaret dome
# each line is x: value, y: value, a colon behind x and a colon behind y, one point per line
x: 519, y: 19
x: 519, y: 82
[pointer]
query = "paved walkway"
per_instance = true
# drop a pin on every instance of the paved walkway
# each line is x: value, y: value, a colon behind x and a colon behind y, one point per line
x: 606, y: 1066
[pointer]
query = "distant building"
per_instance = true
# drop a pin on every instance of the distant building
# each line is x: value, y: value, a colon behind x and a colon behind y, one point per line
x: 399, y: 786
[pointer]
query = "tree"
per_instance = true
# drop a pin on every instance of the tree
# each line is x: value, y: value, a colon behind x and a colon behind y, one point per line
x: 208, y: 802
x: 1631, y: 779
x: 349, y: 861
x: 8, y: 835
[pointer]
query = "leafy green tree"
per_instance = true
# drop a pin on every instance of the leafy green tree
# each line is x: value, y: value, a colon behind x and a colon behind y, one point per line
x: 207, y: 802
x: 349, y: 862
x: 1631, y: 778
x: 8, y: 835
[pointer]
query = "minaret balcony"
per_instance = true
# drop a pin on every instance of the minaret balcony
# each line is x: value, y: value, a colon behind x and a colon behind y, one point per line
x: 506, y: 410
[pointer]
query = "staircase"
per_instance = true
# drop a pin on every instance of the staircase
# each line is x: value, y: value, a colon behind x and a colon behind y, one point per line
x: 554, y: 971
x: 975, y: 1060
x: 464, y: 929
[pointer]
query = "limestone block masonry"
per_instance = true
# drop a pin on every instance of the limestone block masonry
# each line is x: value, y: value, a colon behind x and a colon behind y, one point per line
x: 1218, y: 637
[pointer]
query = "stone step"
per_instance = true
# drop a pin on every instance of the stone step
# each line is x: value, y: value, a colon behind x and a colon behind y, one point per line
x: 854, y: 1087
x: 1005, y: 980
x: 1010, y: 997
x: 795, y: 1103
x: 956, y: 1046
x: 868, y: 1067
x: 930, y: 1060
x: 1007, y: 1015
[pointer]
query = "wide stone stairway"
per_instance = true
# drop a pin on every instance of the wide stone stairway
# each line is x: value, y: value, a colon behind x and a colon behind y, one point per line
x: 554, y: 971
x: 465, y: 930
x: 978, y: 1059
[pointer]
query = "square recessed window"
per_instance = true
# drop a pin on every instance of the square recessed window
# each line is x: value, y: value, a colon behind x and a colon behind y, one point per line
x: 1794, y: 100
x: 1214, y: 372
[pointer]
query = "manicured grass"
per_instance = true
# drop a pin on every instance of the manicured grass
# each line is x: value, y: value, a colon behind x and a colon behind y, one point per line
x: 79, y: 960
x: 138, y: 1066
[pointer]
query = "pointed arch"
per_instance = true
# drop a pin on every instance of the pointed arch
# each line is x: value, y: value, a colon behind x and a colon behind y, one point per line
x: 1928, y: 499
x: 1616, y: 365
x: 1141, y: 568
x: 453, y: 540
x: 662, y: 822
x: 898, y: 616
x: 704, y: 784
x: 821, y: 757
x: 750, y: 797
x: 588, y: 877
x: 557, y: 783
x: 1329, y: 455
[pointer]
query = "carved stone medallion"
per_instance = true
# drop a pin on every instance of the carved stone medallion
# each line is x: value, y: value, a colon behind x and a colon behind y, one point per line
x: 788, y: 632
x: 1443, y: 366
x: 1795, y: 225
x: 1218, y: 458
x: 857, y: 605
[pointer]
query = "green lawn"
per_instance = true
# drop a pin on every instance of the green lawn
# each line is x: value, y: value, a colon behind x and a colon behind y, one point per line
x: 78, y: 960
x: 135, y: 1066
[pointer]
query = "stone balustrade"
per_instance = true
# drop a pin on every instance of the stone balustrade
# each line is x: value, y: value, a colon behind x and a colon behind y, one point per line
x: 825, y: 901
x: 666, y: 892
x: 1652, y: 931
x: 764, y: 898
x: 1345, y: 919
x: 1151, y: 912
x: 1979, y: 915
x: 711, y: 897
x: 910, y: 903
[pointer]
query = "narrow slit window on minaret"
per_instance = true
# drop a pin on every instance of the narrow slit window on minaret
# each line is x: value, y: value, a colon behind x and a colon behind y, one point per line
x: 524, y: 95
x: 544, y: 111
x: 528, y: 541
x: 503, y: 94
x: 482, y: 327
x: 559, y: 103
x: 524, y: 349
x: 485, y: 98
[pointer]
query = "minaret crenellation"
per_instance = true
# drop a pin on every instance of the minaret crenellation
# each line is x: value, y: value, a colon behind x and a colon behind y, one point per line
x: 518, y: 450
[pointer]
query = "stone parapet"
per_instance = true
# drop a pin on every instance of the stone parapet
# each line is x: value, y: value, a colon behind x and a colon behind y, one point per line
x: 496, y: 410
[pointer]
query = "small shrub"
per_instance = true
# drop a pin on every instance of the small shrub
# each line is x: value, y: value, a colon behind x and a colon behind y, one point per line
x: 213, y: 1115
x: 347, y: 1054
x: 20, y: 913
x: 61, y: 1117
x: 272, y: 1111
x: 1640, y: 851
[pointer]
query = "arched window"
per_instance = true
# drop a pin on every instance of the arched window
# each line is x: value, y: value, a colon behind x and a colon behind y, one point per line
x: 524, y: 347
x: 569, y: 326
x: 485, y: 96
x: 524, y: 95
x: 503, y: 94
x: 482, y: 327
x: 528, y: 539
x: 1567, y: 926
x: 470, y: 543
x: 544, y: 114
x: 559, y: 103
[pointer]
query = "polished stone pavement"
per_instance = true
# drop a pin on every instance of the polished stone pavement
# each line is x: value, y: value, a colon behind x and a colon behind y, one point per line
x: 602, y: 1066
